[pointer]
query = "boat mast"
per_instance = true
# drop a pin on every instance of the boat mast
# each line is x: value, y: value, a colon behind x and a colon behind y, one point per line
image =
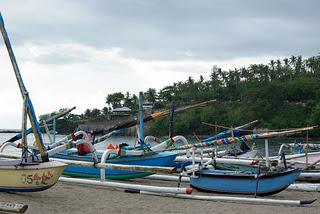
x: 171, y: 120
x: 23, y: 90
x: 141, y: 123
x: 24, y: 155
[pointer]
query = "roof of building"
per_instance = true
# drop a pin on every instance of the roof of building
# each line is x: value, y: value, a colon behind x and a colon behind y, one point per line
x: 122, y: 109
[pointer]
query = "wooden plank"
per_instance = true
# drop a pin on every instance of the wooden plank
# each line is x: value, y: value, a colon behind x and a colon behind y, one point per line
x: 13, y: 207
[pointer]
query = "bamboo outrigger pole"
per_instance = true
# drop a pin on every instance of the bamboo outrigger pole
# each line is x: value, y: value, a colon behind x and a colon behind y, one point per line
x: 245, y: 138
x: 59, y: 115
x: 28, y: 131
x: 230, y: 130
x: 155, y: 116
x: 23, y: 90
x: 235, y: 199
x: 132, y: 188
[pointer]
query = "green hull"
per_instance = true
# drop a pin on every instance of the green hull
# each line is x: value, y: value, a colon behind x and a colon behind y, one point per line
x: 115, y: 177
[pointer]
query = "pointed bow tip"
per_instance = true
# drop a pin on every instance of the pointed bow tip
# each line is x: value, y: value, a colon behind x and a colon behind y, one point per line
x: 310, y: 201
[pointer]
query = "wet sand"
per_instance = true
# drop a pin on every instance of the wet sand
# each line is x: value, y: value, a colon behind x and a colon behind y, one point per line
x: 66, y: 198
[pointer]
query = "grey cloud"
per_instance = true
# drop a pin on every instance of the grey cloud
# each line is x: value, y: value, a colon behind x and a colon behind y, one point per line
x: 166, y: 29
x: 56, y: 58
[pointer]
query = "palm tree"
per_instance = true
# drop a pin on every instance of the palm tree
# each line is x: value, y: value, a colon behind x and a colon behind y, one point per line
x: 273, y: 75
x: 254, y: 70
x: 293, y: 60
x: 215, y: 80
x: 201, y: 79
x: 272, y: 64
x: 298, y: 65
x: 279, y: 69
x: 151, y: 95
x: 244, y: 74
x: 287, y: 70
x: 311, y: 64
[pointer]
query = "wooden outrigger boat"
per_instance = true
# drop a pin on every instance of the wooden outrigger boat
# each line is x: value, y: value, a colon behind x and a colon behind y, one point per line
x: 143, y: 157
x: 243, y: 182
x: 304, y: 159
x: 30, y: 178
x: 308, y: 162
x: 30, y: 173
x: 271, y: 181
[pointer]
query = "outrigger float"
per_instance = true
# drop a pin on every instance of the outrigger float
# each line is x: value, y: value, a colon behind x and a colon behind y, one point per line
x: 30, y: 173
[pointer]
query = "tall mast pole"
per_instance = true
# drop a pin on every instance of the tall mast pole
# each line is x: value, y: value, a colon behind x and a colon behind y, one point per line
x: 23, y: 90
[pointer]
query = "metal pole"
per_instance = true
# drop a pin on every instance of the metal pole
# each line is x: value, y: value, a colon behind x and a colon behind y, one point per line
x: 102, y: 174
x: 171, y: 120
x: 54, y: 130
x: 267, y: 152
x: 306, y: 149
x: 47, y: 131
x: 141, y: 124
x: 201, y: 155
x: 215, y: 128
x: 193, y: 161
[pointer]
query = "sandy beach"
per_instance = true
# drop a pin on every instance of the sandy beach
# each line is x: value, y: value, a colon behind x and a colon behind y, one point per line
x: 66, y: 198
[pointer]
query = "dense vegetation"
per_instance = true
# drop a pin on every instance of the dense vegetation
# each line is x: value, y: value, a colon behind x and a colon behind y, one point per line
x: 281, y: 94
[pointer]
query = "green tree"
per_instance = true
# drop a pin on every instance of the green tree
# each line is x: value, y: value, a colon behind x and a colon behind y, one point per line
x: 115, y: 100
x: 151, y: 95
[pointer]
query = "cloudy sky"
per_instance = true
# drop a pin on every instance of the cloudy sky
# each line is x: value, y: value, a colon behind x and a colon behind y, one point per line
x: 75, y: 52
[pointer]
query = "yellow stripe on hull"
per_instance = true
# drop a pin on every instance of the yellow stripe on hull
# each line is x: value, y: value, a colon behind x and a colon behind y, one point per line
x: 30, y: 177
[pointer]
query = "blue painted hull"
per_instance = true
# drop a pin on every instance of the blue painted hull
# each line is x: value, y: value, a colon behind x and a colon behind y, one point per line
x: 235, y: 182
x: 157, y: 159
x: 179, y: 164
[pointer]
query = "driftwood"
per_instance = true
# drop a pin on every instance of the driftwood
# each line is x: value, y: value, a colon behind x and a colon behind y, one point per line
x: 13, y: 207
